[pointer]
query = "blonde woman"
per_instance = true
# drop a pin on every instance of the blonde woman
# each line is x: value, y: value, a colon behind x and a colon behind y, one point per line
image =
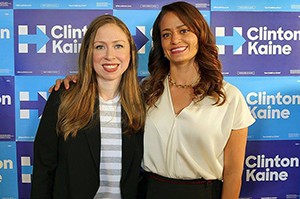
x: 89, y: 141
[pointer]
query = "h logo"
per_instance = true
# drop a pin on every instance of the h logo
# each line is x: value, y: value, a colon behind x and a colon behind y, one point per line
x: 26, y: 105
x: 236, y: 40
x: 40, y: 38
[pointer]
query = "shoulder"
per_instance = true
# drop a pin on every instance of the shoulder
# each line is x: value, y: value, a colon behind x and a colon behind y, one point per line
x: 231, y: 90
x: 233, y: 93
x: 54, y: 98
x: 62, y: 89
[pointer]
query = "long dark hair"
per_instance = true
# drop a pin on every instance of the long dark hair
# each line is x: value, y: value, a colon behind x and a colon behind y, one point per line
x: 210, y: 68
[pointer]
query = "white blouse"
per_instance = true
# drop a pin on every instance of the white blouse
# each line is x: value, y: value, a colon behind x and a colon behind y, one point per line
x: 191, y: 144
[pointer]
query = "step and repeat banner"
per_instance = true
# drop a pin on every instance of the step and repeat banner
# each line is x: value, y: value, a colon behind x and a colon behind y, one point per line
x: 259, y: 46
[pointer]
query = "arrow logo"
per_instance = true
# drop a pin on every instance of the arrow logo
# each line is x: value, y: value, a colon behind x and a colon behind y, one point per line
x: 236, y: 40
x: 39, y: 104
x: 140, y: 39
x: 40, y: 38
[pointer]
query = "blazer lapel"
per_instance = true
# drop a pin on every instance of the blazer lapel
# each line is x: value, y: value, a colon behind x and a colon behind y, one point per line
x: 93, y: 138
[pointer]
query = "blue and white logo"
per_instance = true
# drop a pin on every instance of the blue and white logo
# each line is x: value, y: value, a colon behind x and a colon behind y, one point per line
x: 236, y: 40
x: 49, y: 44
x: 274, y: 103
x: 40, y: 39
x: 26, y: 104
x: 25, y: 168
x: 31, y: 97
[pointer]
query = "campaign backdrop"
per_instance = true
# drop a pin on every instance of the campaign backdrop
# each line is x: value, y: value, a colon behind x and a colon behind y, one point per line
x: 259, y: 46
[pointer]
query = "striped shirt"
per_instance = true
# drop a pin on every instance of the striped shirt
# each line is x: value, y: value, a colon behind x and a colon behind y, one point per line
x: 111, y: 149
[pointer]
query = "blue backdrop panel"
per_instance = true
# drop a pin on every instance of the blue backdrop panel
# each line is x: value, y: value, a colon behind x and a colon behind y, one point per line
x: 25, y: 162
x: 155, y: 4
x: 261, y: 44
x: 66, y: 4
x: 6, y: 4
x: 49, y: 44
x: 255, y: 5
x: 272, y: 170
x: 258, y: 42
x: 31, y: 97
x: 275, y: 104
x: 6, y: 43
x: 7, y: 108
x: 8, y: 171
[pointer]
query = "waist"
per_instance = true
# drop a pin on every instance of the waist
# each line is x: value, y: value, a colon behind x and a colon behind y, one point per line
x: 178, y: 181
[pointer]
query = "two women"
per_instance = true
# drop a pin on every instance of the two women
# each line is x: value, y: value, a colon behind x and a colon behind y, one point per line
x: 196, y: 123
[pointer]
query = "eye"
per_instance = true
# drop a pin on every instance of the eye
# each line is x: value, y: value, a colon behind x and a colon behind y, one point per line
x: 118, y: 46
x: 165, y: 35
x: 184, y: 31
x: 99, y: 47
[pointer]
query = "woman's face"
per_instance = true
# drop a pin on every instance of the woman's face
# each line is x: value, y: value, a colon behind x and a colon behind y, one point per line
x: 111, y: 53
x: 179, y: 43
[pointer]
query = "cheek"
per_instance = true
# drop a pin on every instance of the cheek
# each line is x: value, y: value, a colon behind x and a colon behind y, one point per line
x: 164, y: 47
x: 125, y: 57
x: 196, y: 46
x: 196, y: 42
x: 96, y: 58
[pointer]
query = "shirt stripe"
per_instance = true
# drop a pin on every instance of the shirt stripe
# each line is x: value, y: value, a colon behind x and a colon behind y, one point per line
x: 111, y: 149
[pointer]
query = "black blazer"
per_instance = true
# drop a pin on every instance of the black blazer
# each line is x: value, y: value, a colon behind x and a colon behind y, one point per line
x: 70, y: 169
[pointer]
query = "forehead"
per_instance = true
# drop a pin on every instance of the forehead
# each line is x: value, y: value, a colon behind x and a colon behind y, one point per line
x: 110, y: 32
x: 169, y: 21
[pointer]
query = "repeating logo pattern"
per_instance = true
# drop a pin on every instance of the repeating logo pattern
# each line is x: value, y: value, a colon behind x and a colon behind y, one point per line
x: 258, y: 43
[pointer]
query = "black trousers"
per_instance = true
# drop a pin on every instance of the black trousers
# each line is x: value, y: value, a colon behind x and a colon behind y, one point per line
x: 159, y: 187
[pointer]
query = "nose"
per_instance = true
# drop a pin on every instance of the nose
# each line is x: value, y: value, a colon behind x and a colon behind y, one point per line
x: 110, y: 53
x: 175, y: 38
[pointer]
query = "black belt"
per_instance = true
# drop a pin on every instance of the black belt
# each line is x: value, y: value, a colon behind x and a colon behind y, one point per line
x: 178, y: 181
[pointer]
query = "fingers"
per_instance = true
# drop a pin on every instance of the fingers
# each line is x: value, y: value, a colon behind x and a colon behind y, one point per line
x: 57, y: 84
x: 71, y: 78
x: 66, y: 82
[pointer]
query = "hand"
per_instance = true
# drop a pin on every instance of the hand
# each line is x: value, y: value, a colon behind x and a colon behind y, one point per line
x: 66, y: 81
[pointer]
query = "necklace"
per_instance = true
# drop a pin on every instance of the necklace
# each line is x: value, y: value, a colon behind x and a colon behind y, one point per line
x: 173, y: 83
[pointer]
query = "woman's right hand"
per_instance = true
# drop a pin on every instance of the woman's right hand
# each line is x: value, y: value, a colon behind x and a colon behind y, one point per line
x: 66, y: 81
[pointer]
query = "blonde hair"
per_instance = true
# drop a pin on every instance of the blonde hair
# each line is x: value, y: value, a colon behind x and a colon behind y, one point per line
x: 79, y: 104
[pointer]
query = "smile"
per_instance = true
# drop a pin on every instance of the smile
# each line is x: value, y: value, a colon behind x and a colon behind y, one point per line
x: 110, y: 67
x: 178, y: 50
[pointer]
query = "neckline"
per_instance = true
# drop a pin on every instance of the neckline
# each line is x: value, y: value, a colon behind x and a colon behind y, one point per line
x: 171, y: 101
x: 110, y: 101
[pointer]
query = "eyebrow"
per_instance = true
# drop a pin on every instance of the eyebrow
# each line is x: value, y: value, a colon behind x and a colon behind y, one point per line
x: 115, y: 41
x: 180, y: 26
